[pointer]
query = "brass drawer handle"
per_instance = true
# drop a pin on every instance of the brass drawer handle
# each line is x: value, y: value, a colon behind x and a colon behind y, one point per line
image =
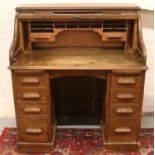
x: 30, y: 80
x: 122, y: 130
x: 32, y: 110
x: 33, y: 131
x: 124, y: 111
x: 126, y: 81
x: 31, y: 96
x: 124, y: 96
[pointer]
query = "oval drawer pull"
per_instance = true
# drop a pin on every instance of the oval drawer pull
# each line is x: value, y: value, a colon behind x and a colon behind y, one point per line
x: 124, y: 111
x: 30, y: 80
x: 122, y: 130
x: 33, y: 131
x: 31, y: 95
x: 123, y: 96
x: 126, y: 81
x: 32, y: 110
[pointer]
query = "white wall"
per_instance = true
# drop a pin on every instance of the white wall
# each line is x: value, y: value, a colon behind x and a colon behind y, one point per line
x: 7, y: 14
x: 148, y: 36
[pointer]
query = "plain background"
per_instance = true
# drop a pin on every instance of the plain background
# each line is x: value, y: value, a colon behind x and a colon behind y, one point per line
x: 7, y: 13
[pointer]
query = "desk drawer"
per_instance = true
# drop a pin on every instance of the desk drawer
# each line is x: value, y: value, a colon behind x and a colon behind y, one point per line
x: 125, y: 95
x: 42, y: 37
x: 126, y: 81
x: 123, y: 129
x: 114, y: 36
x: 29, y: 94
x: 33, y: 129
x: 124, y: 109
x: 30, y: 80
x: 32, y: 109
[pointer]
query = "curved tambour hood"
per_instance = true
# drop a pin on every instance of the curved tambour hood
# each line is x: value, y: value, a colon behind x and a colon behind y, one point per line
x: 77, y: 7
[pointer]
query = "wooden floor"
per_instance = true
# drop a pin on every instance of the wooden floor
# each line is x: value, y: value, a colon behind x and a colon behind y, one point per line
x: 93, y: 58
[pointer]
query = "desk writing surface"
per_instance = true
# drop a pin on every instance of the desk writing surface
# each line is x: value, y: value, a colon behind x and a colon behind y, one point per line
x: 91, y: 58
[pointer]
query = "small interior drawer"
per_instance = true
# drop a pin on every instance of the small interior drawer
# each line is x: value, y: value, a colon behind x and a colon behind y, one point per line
x: 124, y: 109
x: 122, y: 129
x: 114, y: 36
x: 125, y: 95
x: 126, y: 81
x: 33, y: 129
x: 41, y: 37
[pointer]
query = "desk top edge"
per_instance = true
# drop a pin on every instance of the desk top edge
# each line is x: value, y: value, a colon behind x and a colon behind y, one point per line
x: 77, y: 6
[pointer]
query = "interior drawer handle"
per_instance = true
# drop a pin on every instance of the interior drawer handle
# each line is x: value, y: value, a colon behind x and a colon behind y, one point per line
x: 124, y: 96
x: 126, y: 81
x: 124, y: 111
x: 33, y: 131
x: 122, y: 130
x: 32, y: 110
x: 30, y: 80
x: 114, y: 37
x: 42, y: 37
x: 31, y: 95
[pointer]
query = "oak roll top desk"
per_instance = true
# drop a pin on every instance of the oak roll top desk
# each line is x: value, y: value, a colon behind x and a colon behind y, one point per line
x: 77, y: 64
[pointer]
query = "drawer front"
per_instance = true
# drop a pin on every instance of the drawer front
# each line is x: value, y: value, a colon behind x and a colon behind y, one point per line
x: 114, y: 36
x: 42, y: 37
x: 33, y: 129
x: 30, y: 94
x: 30, y: 80
x: 122, y: 129
x: 124, y: 109
x: 32, y: 109
x: 125, y: 95
x: 126, y: 81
